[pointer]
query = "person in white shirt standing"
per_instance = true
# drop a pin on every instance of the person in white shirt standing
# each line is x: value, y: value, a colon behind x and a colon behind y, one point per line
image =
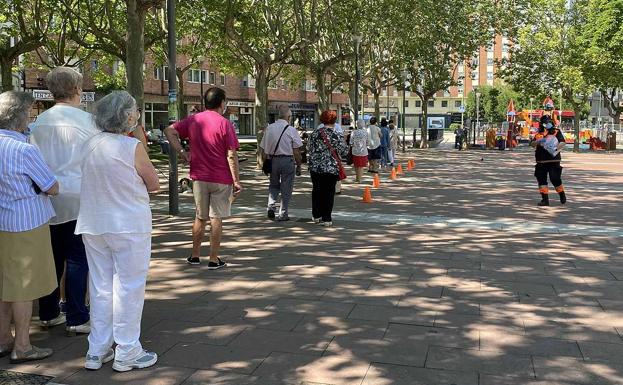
x: 374, y: 146
x: 281, y: 143
x: 60, y: 133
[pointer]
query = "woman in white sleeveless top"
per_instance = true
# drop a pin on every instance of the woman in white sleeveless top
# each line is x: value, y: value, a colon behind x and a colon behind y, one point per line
x: 115, y: 223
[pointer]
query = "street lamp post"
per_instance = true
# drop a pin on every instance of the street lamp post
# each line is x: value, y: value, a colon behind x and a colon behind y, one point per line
x: 477, y: 128
x: 531, y: 101
x: 404, y: 110
x: 172, y: 43
x: 357, y: 40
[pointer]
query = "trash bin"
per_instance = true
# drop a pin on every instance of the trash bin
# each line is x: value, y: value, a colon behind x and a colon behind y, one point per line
x: 611, y: 141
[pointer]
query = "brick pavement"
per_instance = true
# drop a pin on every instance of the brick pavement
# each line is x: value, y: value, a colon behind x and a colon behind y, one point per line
x: 377, y: 300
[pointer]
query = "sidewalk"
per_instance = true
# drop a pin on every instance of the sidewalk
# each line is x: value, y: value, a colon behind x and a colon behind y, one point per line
x: 451, y: 276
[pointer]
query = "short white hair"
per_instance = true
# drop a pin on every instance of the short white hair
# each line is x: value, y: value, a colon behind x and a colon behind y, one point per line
x: 15, y: 109
x: 64, y: 82
x: 284, y: 112
x: 112, y: 111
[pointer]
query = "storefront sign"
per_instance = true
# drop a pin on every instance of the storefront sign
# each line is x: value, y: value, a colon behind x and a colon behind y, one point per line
x: 235, y: 103
x: 45, y: 95
x: 302, y: 106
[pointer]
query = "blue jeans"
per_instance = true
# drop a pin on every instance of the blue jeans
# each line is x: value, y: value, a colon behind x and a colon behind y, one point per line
x: 68, y: 247
x: 384, y: 156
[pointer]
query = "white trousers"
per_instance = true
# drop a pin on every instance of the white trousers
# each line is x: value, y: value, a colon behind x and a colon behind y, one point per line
x: 118, y: 265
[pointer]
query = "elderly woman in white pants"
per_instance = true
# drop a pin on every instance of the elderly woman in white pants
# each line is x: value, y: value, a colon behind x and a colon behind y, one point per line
x: 115, y: 223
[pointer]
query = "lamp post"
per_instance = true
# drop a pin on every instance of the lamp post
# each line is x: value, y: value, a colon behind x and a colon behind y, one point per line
x: 357, y: 40
x: 173, y: 113
x: 531, y: 101
x: 404, y: 109
x: 477, y: 128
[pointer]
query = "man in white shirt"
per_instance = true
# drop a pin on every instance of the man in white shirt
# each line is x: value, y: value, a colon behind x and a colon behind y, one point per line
x: 281, y: 143
x: 60, y: 132
x: 374, y: 145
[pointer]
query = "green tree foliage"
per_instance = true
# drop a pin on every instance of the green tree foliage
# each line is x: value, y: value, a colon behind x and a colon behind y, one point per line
x: 493, y: 103
x: 602, y: 43
x: 549, y: 57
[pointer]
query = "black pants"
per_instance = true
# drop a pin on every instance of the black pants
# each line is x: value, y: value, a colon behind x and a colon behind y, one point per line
x: 323, y: 195
x: 68, y: 247
x: 553, y: 170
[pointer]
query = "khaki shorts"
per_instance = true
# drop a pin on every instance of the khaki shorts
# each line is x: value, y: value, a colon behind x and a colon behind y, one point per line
x: 212, y: 200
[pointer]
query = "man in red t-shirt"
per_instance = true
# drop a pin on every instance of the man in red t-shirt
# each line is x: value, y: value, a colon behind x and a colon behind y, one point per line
x: 213, y: 168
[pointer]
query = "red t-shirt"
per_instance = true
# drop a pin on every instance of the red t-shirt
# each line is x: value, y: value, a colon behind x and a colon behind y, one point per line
x: 211, y: 136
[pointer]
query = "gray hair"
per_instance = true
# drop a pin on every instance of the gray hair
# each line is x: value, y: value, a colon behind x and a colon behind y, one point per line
x: 361, y: 123
x: 64, y: 82
x: 112, y: 111
x: 284, y: 112
x: 15, y: 110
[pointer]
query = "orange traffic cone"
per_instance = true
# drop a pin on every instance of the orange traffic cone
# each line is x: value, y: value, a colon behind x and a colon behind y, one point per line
x: 413, y: 163
x: 410, y: 165
x: 376, y: 182
x: 392, y: 176
x: 367, y: 195
x: 399, y: 170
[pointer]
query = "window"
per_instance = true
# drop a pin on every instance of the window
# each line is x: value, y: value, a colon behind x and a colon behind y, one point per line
x: 431, y: 103
x: 489, y: 75
x: 94, y: 65
x: 418, y: 103
x: 194, y: 76
x: 444, y: 104
x: 222, y: 79
x: 212, y: 78
x: 245, y: 83
x: 457, y: 104
x: 406, y: 103
x: 204, y: 76
x: 490, y: 61
x: 161, y: 73
x: 272, y: 84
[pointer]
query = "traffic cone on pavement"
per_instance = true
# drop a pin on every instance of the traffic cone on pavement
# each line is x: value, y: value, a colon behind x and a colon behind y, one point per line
x: 392, y: 176
x: 376, y: 182
x: 410, y: 165
x: 399, y: 170
x: 367, y: 195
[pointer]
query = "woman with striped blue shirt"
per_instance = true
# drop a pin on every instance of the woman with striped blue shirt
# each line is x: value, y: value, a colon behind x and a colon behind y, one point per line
x: 27, y: 269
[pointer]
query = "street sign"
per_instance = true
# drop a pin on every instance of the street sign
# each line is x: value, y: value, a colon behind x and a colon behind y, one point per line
x: 45, y: 95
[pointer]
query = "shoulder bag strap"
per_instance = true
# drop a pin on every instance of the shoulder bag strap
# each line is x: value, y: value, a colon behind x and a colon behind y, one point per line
x: 279, y: 140
x: 330, y: 147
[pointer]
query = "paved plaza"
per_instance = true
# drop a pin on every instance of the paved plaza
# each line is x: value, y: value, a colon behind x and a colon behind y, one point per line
x: 451, y: 276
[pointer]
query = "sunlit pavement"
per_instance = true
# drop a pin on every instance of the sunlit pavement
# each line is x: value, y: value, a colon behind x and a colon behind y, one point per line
x: 451, y: 276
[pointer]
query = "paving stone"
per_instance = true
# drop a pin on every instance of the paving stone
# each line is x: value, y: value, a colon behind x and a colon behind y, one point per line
x: 195, y: 332
x: 213, y: 377
x: 63, y: 363
x: 249, y: 317
x: 520, y: 344
x: 478, y: 322
x: 570, y: 331
x: 325, y: 308
x: 481, y: 361
x: 290, y: 342
x: 423, y: 336
x: 334, y: 326
x: 576, y: 371
x: 393, y: 314
x: 242, y: 360
x: 487, y: 379
x: 155, y: 375
x: 601, y: 351
x: 399, y: 352
x: 384, y: 374
x: 344, y: 369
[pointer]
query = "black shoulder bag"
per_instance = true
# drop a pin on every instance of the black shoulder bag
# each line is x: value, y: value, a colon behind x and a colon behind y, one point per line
x: 267, y: 166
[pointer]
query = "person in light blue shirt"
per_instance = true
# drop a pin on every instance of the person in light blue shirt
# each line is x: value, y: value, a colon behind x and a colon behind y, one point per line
x: 385, y: 143
x: 27, y: 269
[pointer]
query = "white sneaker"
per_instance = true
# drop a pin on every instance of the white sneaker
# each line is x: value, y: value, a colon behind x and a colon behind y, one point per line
x: 85, y: 328
x: 316, y: 220
x: 327, y: 224
x: 95, y: 362
x: 144, y: 360
x: 60, y: 319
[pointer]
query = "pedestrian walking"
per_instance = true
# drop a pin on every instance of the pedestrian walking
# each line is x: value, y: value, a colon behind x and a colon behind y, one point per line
x: 115, y: 222
x: 374, y: 146
x: 385, y: 143
x: 548, y: 164
x: 60, y: 133
x: 394, y: 142
x: 26, y: 260
x: 213, y: 161
x: 359, y: 144
x: 281, y: 144
x: 326, y: 150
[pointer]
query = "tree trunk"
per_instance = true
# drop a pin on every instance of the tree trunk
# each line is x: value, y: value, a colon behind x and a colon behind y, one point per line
x: 261, y: 107
x: 6, y: 67
x: 181, y: 107
x: 351, y: 98
x: 135, y: 50
x: 377, y: 103
x: 576, y: 127
x: 323, y: 96
x: 424, y: 128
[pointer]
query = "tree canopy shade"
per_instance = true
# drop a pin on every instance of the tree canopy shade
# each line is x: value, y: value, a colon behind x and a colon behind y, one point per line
x: 549, y: 57
x: 601, y: 40
x: 24, y: 25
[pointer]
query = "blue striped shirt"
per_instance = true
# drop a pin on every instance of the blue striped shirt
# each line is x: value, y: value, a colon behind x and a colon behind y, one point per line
x: 22, y: 167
